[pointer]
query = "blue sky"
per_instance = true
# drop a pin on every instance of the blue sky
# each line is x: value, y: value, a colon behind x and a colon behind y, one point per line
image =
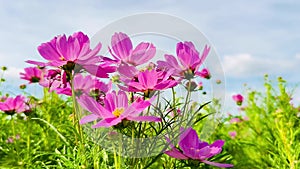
x: 252, y: 38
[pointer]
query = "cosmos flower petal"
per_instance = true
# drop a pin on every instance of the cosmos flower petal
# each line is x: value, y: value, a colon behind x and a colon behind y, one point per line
x: 88, y: 118
x: 176, y: 154
x: 144, y: 118
x: 142, y: 53
x: 121, y: 45
x: 221, y: 165
x: 107, y: 122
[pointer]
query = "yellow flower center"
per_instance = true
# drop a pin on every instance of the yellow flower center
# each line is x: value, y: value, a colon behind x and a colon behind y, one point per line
x: 118, y: 111
x: 62, y: 58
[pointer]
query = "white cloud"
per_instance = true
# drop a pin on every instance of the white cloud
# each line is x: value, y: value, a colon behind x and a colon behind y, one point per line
x: 12, y: 73
x: 297, y: 56
x: 245, y: 65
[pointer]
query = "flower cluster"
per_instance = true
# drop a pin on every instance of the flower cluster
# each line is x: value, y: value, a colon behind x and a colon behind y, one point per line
x: 74, y: 69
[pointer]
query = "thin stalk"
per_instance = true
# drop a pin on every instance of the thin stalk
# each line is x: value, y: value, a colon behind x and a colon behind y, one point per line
x: 76, y: 121
x: 115, y: 158
x: 28, y: 136
x: 14, y: 136
x: 186, y: 103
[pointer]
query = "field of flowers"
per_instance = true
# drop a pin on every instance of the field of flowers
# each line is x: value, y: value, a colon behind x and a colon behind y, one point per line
x: 125, y: 111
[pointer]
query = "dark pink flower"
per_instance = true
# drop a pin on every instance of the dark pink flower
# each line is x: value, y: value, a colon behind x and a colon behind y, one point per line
x: 238, y: 98
x: 151, y: 80
x: 115, y: 110
x: 189, y: 60
x: 13, y: 105
x: 66, y: 52
x: 122, y: 50
x: 76, y: 49
x: 204, y: 73
x: 55, y: 80
x: 192, y: 148
x: 32, y: 74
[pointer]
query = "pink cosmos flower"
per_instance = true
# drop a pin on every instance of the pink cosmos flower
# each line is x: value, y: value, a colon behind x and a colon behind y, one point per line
x: 150, y: 80
x: 200, y: 85
x: 18, y: 137
x: 115, y: 110
x: 192, y: 148
x: 32, y: 74
x: 245, y: 118
x: 122, y: 50
x: 189, y: 60
x: 55, y: 80
x: 13, y: 105
x: 232, y: 134
x: 86, y: 85
x: 65, y: 52
x: 204, y: 73
x: 76, y: 49
x: 10, y: 140
x: 235, y: 120
x: 238, y: 98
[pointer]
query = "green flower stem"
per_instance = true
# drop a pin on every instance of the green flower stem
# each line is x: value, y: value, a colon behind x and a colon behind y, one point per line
x: 28, y: 137
x: 76, y: 121
x: 14, y: 136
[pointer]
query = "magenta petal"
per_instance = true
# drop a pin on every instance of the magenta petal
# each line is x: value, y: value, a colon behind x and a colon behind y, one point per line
x: 176, y: 154
x: 137, y: 85
x: 92, y: 52
x: 172, y: 61
x: 48, y: 51
x: 165, y: 85
x: 88, y: 118
x: 218, y: 143
x: 127, y: 71
x: 145, y: 118
x: 121, y: 45
x: 108, y: 122
x: 98, y: 70
x: 204, y: 54
x: 189, y: 139
x: 148, y: 78
x: 41, y: 64
x: 122, y: 100
x: 91, y: 105
x: 218, y: 164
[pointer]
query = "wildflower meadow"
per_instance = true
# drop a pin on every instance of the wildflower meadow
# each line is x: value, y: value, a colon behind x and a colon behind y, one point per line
x: 127, y: 110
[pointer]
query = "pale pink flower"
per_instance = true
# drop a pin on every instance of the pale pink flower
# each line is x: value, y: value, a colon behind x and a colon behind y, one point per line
x: 232, y: 134
x: 235, y: 120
